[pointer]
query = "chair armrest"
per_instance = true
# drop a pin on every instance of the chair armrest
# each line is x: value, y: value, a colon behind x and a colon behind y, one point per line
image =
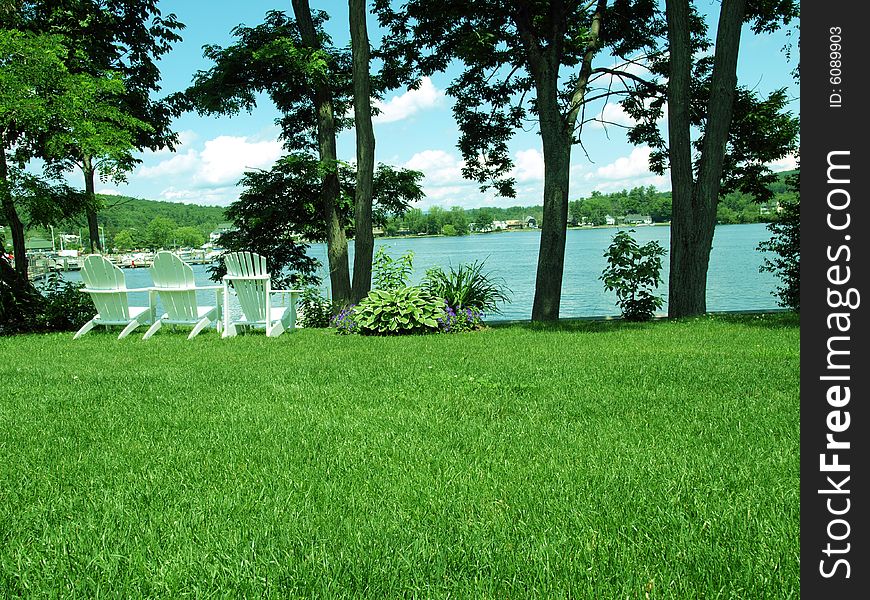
x: 286, y: 291
x: 186, y: 289
x: 250, y: 277
x: 123, y: 290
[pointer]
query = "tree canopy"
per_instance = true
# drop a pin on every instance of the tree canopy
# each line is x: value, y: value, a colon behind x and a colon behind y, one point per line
x: 126, y: 38
x: 521, y: 62
x: 42, y: 107
x: 279, y: 211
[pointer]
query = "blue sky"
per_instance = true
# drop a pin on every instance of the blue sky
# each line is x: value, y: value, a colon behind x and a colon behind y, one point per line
x: 415, y: 130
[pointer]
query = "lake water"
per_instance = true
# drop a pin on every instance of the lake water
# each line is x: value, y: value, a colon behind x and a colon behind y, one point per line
x: 733, y: 283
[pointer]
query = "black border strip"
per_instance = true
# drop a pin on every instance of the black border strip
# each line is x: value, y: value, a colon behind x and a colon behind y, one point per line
x: 834, y: 255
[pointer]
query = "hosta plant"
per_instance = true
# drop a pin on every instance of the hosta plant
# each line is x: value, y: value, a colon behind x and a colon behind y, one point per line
x: 399, y: 311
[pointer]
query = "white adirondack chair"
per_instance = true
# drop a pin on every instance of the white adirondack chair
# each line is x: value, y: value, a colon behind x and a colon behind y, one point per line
x: 175, y: 285
x: 107, y: 287
x: 247, y: 273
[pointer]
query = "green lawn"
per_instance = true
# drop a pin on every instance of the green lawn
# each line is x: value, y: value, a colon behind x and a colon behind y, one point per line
x: 588, y: 460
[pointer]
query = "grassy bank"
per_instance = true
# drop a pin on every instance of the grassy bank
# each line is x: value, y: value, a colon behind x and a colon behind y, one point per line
x: 588, y: 460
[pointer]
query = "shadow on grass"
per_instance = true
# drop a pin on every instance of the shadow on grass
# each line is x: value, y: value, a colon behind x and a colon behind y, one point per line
x: 575, y: 325
x: 762, y: 320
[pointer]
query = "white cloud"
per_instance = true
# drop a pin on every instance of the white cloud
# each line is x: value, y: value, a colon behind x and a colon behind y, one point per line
x: 445, y: 192
x: 404, y: 105
x: 177, y: 165
x: 625, y: 167
x: 787, y: 163
x: 109, y: 192
x: 225, y: 158
x: 612, y: 114
x: 528, y: 165
x: 443, y: 183
x: 220, y: 196
x: 208, y: 175
x: 626, y: 172
x: 221, y: 161
x: 438, y: 166
x: 185, y: 138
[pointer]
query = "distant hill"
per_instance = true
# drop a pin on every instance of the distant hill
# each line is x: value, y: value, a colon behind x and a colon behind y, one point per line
x: 124, y: 212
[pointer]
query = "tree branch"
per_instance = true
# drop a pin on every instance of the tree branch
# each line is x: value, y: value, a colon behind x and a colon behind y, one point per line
x: 624, y: 74
x: 577, y: 98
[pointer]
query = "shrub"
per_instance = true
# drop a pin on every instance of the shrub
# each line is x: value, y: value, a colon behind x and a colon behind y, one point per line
x: 19, y: 300
x: 52, y: 304
x: 400, y: 311
x: 390, y: 273
x: 786, y: 245
x: 633, y: 272
x: 65, y: 308
x: 467, y: 286
x: 316, y: 310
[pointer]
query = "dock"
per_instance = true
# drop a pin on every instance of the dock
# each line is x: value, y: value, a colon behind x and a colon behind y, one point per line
x: 40, y: 265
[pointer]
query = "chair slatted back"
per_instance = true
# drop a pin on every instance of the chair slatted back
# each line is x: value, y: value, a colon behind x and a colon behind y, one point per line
x: 100, y: 274
x: 252, y: 293
x: 169, y: 271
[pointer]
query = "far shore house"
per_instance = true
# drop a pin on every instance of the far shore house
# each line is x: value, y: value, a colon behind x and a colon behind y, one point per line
x: 221, y: 229
x: 636, y: 219
x: 531, y: 222
x: 38, y: 245
x: 609, y: 220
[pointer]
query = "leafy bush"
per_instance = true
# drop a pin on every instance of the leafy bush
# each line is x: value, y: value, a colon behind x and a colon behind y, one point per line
x: 467, y: 286
x: 390, y: 273
x: 400, y: 311
x: 19, y: 301
x: 53, y: 304
x: 316, y: 310
x: 633, y: 272
x: 65, y: 308
x: 786, y: 245
x: 457, y: 320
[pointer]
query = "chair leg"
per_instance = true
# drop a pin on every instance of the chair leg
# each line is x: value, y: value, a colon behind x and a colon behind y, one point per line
x: 153, y: 329
x: 275, y: 330
x: 229, y: 330
x: 129, y: 328
x: 203, y: 323
x: 85, y: 328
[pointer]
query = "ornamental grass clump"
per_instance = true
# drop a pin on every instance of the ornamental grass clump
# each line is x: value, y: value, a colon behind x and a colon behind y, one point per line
x: 467, y: 287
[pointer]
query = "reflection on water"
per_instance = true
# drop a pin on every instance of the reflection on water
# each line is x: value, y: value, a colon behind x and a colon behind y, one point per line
x: 733, y: 283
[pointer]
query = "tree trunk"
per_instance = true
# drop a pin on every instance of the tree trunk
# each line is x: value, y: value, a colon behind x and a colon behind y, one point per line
x: 91, y: 210
x: 693, y: 217
x: 557, y: 136
x: 556, y: 141
x: 365, y: 151
x: 336, y: 241
x: 16, y: 227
